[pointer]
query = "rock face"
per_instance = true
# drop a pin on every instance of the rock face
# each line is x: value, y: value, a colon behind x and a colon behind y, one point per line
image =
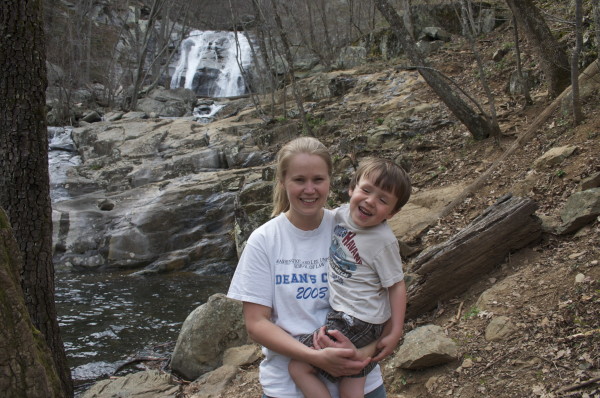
x: 153, y: 193
x: 206, y: 333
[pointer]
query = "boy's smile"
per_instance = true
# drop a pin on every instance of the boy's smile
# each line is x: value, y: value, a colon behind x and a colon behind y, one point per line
x: 369, y: 204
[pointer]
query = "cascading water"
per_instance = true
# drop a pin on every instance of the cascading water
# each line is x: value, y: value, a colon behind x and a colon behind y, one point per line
x: 211, y: 64
x: 62, y: 155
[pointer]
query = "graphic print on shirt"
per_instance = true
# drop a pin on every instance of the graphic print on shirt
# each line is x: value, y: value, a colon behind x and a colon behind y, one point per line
x: 309, y: 278
x: 343, y: 246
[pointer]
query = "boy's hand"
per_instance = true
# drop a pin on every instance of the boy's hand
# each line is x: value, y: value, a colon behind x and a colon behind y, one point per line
x: 386, y: 345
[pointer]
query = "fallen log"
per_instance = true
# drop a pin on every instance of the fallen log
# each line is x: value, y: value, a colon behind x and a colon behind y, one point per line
x: 449, y: 269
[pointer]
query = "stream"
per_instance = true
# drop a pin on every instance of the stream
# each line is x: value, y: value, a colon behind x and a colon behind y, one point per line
x: 108, y: 318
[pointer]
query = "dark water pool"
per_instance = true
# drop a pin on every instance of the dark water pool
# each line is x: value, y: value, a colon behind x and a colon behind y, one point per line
x: 107, y: 318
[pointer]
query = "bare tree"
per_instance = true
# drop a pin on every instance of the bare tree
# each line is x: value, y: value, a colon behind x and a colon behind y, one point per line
x: 524, y: 82
x: 469, y: 30
x: 407, y: 18
x: 480, y: 126
x: 577, y: 114
x: 25, y: 193
x: 550, y: 54
x: 262, y: 33
x: 143, y: 33
x: 290, y: 66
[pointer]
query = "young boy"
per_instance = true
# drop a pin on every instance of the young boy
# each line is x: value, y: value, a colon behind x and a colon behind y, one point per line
x: 367, y: 293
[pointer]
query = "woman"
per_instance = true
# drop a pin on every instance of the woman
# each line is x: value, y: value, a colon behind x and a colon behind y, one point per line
x: 281, y: 277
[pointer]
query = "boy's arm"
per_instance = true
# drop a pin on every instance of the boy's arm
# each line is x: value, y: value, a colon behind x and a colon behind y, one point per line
x: 394, y: 328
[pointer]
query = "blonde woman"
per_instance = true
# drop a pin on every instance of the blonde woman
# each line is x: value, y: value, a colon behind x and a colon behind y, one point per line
x: 281, y: 277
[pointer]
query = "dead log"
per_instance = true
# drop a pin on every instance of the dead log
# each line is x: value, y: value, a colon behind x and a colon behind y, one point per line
x: 449, y: 269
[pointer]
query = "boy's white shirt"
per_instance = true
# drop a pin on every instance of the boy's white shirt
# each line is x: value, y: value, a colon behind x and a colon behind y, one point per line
x: 375, y: 254
x: 295, y: 281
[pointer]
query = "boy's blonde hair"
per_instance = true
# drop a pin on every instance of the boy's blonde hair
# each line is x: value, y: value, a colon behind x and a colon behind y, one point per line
x: 308, y: 145
x: 386, y: 175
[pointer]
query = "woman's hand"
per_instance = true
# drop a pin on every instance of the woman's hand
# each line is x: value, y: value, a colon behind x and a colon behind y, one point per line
x: 339, y: 361
x: 343, y: 358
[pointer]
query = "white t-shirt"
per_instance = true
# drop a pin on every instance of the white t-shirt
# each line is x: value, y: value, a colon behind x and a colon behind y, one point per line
x: 364, y: 263
x: 285, y: 268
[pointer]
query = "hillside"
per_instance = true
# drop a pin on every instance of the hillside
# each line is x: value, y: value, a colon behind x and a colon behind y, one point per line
x: 550, y: 291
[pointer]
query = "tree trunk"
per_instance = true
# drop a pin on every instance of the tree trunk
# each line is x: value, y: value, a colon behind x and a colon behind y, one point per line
x: 550, y: 54
x: 577, y: 113
x: 524, y: 82
x: 596, y: 4
x: 24, y: 181
x: 449, y: 269
x: 26, y: 366
x: 479, y: 126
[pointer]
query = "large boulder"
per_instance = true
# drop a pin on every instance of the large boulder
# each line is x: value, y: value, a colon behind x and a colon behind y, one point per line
x: 205, y: 335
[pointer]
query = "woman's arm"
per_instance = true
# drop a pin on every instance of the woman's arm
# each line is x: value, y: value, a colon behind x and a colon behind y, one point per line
x: 335, y: 361
x: 394, y: 328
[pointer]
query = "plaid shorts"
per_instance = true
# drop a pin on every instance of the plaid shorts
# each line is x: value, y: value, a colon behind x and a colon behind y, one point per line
x: 358, y: 332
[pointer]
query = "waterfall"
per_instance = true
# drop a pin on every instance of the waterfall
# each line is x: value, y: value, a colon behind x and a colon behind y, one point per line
x: 209, y: 63
x: 62, y: 155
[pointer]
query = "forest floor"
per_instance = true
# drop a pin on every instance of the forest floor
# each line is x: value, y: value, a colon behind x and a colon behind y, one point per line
x: 551, y: 290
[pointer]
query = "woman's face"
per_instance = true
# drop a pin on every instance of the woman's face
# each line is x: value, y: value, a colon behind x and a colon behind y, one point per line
x: 307, y: 186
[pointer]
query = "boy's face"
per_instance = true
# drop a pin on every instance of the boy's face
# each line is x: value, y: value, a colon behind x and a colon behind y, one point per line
x: 369, y: 204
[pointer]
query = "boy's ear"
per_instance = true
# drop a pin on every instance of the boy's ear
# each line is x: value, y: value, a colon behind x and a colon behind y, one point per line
x: 392, y: 214
x: 350, y: 190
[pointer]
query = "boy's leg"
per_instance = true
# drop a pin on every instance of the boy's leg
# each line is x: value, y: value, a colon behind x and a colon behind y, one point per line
x: 305, y: 377
x: 352, y: 387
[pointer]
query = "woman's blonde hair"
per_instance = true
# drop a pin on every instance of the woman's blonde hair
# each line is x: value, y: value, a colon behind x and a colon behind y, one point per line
x: 308, y: 145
